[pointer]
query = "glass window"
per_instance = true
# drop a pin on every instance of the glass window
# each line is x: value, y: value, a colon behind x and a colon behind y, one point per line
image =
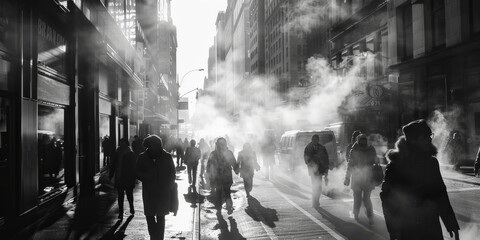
x: 438, y: 14
x: 105, y: 143
x: 52, y: 47
x: 51, y: 123
x: 407, y: 32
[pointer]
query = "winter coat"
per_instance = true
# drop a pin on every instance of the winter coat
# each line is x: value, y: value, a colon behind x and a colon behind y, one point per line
x: 157, y: 174
x: 137, y: 146
x: 204, y: 148
x: 247, y: 163
x: 192, y: 155
x: 123, y: 168
x: 414, y: 195
x: 220, y: 166
x: 316, y: 158
x: 360, y: 167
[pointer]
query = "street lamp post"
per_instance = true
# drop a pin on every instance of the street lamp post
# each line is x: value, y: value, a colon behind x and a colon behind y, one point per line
x: 178, y: 95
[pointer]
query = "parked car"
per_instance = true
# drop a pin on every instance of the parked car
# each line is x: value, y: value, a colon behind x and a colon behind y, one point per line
x: 292, y: 145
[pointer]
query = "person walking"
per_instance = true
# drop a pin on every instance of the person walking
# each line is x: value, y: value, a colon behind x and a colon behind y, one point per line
x: 156, y: 170
x: 179, y: 152
x: 359, y: 169
x: 414, y: 196
x: 205, y: 149
x: 220, y: 164
x: 107, y: 150
x: 268, y: 154
x: 316, y: 158
x: 247, y: 162
x: 349, y: 147
x: 192, y: 155
x: 123, y: 169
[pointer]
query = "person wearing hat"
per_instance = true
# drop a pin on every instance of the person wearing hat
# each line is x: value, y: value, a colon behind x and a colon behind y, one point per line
x: 362, y: 158
x: 414, y: 196
x: 156, y: 170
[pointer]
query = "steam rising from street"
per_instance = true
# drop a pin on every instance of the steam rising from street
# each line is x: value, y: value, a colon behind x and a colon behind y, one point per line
x: 256, y: 113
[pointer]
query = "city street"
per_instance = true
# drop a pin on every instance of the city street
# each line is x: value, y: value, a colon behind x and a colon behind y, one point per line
x: 281, y: 209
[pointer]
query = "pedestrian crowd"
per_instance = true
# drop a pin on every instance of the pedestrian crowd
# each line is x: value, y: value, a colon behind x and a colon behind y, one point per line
x: 413, y: 200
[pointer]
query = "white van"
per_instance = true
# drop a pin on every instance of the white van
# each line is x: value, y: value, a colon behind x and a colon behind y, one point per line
x: 292, y: 145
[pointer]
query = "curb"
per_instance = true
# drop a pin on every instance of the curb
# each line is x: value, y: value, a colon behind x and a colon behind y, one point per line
x: 464, y: 181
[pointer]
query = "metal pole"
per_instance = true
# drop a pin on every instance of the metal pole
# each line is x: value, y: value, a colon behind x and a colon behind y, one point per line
x: 178, y: 97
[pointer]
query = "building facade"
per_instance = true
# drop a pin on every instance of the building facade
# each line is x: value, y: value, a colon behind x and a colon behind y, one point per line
x: 84, y: 83
x: 434, y: 55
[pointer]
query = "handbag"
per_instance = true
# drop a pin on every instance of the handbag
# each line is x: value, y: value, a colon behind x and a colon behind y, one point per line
x: 377, y: 174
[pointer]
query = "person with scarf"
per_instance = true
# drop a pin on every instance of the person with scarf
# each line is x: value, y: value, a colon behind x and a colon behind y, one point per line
x: 316, y: 158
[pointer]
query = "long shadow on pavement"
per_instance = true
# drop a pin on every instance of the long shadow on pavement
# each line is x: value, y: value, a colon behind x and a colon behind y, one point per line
x: 91, y: 211
x: 225, y: 234
x: 350, y: 230
x: 259, y: 213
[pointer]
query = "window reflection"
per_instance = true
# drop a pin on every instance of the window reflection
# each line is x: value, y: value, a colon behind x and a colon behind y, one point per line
x: 51, y: 122
x: 4, y: 155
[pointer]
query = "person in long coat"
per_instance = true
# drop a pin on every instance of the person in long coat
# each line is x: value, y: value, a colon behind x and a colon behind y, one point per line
x: 247, y: 163
x: 268, y: 154
x: 316, y: 158
x: 220, y: 165
x: 359, y: 170
x: 156, y: 170
x: 413, y: 194
x: 123, y: 168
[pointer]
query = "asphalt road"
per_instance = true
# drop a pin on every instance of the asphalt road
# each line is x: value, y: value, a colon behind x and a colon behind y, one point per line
x: 280, y: 208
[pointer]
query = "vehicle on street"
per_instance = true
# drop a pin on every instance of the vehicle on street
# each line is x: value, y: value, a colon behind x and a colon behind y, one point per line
x: 293, y: 143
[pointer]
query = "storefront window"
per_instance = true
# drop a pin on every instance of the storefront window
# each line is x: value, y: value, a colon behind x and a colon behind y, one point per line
x: 105, y: 143
x: 52, y: 47
x: 51, y: 123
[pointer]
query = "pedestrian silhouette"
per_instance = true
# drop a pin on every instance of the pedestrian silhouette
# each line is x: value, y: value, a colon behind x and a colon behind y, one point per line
x: 359, y: 170
x: 123, y: 169
x: 247, y: 163
x: 413, y: 194
x: 316, y: 158
x: 268, y: 154
x: 107, y: 150
x: 220, y: 165
x: 179, y: 150
x: 205, y: 149
x: 192, y: 155
x: 156, y: 170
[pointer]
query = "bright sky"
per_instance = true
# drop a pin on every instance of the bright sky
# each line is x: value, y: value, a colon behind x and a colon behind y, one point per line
x: 195, y: 21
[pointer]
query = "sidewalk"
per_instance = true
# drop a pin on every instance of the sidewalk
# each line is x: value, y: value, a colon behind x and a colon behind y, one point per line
x: 95, y: 217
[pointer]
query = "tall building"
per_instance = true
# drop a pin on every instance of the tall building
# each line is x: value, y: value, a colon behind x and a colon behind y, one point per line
x: 257, y: 37
x: 359, y: 32
x: 89, y: 64
x: 434, y: 56
x: 285, y: 49
x: 161, y: 90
